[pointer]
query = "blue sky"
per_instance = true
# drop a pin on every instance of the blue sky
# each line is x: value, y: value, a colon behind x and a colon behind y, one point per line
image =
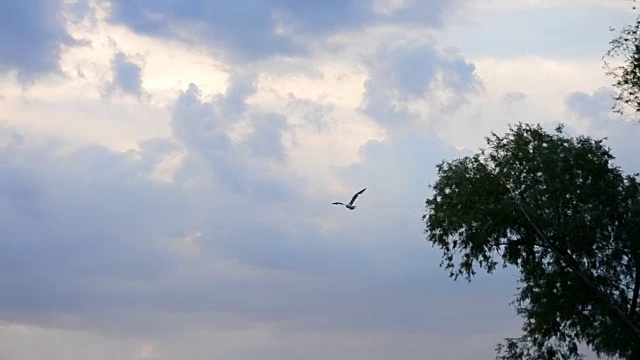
x: 167, y: 169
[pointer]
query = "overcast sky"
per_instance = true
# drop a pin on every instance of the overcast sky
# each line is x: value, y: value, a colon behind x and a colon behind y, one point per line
x: 167, y: 169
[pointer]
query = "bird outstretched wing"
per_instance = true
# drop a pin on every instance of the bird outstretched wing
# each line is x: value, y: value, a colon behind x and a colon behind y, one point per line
x: 337, y: 203
x: 355, y: 196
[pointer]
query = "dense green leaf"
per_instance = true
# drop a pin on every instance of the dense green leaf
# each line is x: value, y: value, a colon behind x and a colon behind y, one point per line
x: 559, y: 210
x: 625, y: 48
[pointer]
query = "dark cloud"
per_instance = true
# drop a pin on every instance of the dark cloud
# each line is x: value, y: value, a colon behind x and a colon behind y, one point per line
x: 31, y: 36
x: 257, y: 29
x: 127, y: 76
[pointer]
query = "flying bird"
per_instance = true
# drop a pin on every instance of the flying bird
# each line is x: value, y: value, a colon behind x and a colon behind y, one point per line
x: 350, y: 205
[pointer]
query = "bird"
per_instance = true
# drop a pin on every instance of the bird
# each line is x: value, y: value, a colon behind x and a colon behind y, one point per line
x: 350, y: 205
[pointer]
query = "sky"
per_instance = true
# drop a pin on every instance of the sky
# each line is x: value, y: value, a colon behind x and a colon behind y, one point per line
x: 167, y: 169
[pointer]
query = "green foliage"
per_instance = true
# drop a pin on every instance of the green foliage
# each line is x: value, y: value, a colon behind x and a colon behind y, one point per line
x: 528, y: 347
x: 557, y: 209
x: 626, y: 47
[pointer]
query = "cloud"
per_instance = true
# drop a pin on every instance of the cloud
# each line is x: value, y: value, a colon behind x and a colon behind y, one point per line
x: 432, y: 13
x: 115, y: 251
x: 33, y: 34
x: 572, y: 30
x: 320, y: 18
x: 259, y: 29
x: 87, y: 225
x: 32, y: 342
x: 592, y: 106
x: 512, y: 98
x: 206, y: 228
x: 459, y: 76
x: 127, y: 76
x: 266, y: 138
x: 248, y: 27
x: 147, y: 351
x: 203, y: 128
x: 594, y: 117
x: 246, y: 163
x: 413, y: 69
x: 259, y: 341
x: 416, y: 83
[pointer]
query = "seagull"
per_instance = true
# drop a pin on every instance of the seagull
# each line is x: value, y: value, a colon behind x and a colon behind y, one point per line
x: 350, y: 205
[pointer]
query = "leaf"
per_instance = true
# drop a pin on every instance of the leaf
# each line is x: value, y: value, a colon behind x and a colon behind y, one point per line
x: 559, y: 210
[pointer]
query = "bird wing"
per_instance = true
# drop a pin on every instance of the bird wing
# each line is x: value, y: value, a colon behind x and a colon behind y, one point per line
x: 353, y: 199
x: 337, y: 203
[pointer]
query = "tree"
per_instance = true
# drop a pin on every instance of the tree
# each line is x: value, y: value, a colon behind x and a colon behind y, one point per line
x: 625, y: 46
x: 558, y: 209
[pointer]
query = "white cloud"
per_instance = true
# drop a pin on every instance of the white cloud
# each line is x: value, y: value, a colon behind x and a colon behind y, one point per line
x: 391, y: 6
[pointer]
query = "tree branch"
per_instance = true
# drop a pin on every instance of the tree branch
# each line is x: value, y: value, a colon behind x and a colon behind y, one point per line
x: 575, y: 266
x: 636, y: 290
